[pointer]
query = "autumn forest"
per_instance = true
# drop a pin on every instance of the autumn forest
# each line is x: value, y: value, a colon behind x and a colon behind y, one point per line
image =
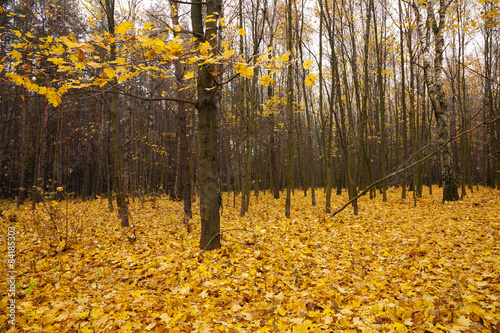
x: 250, y: 166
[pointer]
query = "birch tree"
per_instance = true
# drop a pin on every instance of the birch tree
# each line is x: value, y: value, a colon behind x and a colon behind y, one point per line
x: 433, y: 77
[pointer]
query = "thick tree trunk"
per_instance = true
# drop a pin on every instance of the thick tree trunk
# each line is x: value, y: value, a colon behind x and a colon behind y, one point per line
x: 121, y: 195
x: 207, y: 130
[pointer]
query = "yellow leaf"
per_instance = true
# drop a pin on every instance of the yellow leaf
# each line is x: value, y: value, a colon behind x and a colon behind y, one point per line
x: 124, y: 27
x: 227, y: 53
x: 267, y: 80
x: 205, y: 48
x: 81, y: 56
x: 308, y: 64
x: 121, y: 61
x: 462, y: 321
x: 165, y: 318
x: 284, y: 57
x: 57, y: 49
x: 100, y: 82
x: 243, y: 69
x: 15, y: 54
x: 188, y: 75
x: 148, y: 26
x: 109, y: 72
x: 310, y: 80
x: 17, y: 33
x: 150, y: 54
x: 175, y: 46
x: 242, y: 32
x: 56, y: 61
x: 121, y: 70
x: 222, y: 22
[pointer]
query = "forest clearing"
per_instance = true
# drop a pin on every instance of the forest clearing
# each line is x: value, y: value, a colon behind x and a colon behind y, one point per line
x: 394, y: 267
x: 250, y: 166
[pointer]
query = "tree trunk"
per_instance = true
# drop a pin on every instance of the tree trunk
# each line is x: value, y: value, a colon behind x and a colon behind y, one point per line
x: 403, y: 100
x: 183, y: 168
x: 433, y: 79
x: 289, y: 160
x: 207, y: 129
x: 121, y: 195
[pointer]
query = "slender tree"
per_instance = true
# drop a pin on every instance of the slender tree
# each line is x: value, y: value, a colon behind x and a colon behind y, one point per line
x: 433, y: 76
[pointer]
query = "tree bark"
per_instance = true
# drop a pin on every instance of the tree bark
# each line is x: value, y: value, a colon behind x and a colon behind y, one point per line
x: 289, y: 160
x: 121, y: 195
x: 433, y: 80
x: 208, y: 167
x: 185, y: 182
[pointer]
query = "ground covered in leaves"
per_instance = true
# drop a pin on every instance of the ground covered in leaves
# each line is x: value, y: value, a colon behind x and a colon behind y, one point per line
x: 395, y: 267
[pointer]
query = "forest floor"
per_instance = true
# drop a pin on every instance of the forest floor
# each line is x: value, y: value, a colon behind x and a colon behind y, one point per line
x: 394, y: 267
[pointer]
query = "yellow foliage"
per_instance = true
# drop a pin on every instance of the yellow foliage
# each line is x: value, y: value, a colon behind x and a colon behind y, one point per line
x: 243, y: 69
x: 175, y: 46
x: 311, y: 273
x: 310, y: 80
x: 308, y: 64
x: 110, y: 73
x: 205, y: 48
x: 189, y: 75
x: 267, y: 80
x: 15, y: 54
x: 123, y: 27
x: 227, y: 53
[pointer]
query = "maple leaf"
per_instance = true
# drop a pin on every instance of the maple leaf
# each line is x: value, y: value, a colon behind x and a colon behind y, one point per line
x: 123, y: 27
x: 227, y: 53
x: 165, y: 317
x: 110, y: 73
x: 205, y: 48
x: 267, y: 80
x: 284, y: 57
x: 243, y: 69
x: 15, y: 54
x: 56, y: 61
x: 310, y: 80
x: 308, y: 64
x: 465, y: 322
x: 175, y: 46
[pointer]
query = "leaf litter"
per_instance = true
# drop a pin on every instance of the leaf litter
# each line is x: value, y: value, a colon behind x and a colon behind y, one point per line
x: 393, y: 268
